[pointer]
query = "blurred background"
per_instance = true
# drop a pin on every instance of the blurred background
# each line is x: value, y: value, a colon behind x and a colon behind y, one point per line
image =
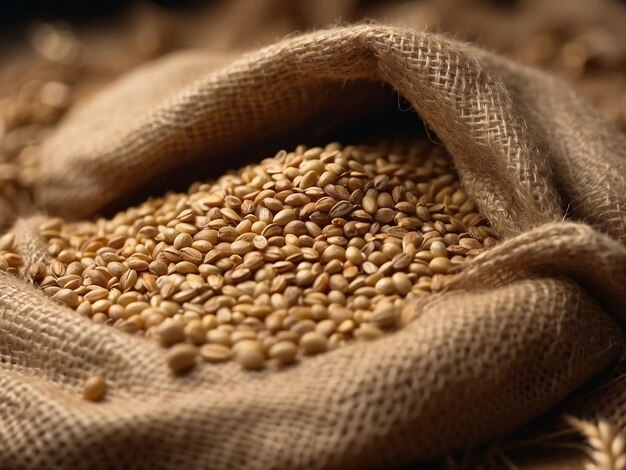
x: 582, y: 40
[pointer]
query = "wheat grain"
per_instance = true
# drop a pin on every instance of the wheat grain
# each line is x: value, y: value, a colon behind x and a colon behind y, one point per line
x: 607, y: 446
x: 302, y: 252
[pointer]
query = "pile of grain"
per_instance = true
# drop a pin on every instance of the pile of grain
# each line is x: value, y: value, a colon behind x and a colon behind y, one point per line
x: 35, y: 93
x: 284, y: 259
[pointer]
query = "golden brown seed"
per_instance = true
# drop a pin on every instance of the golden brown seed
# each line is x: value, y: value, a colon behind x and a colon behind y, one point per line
x: 489, y: 242
x: 215, y: 353
x: 438, y: 249
x: 6, y: 242
x: 241, y: 335
x: 297, y: 199
x: 303, y: 326
x: 284, y: 352
x: 253, y: 260
x: 191, y: 255
x: 37, y: 271
x: 182, y: 240
x: 333, y: 252
x: 368, y: 332
x: 422, y: 213
x: 326, y: 327
x: 135, y: 308
x: 241, y: 247
x: 181, y: 357
x: 341, y: 209
x: 470, y: 244
x: 273, y: 204
x: 115, y: 268
x: 230, y: 215
x: 213, y: 200
x: 240, y: 274
x: 440, y: 265
x: 313, y: 343
x: 172, y: 255
x: 170, y: 332
x: 354, y: 255
x: 116, y: 312
x: 250, y: 354
x: 99, y: 318
x: 101, y: 305
x: 68, y: 297
x: 186, y: 267
x: 96, y: 294
x: 346, y: 326
x: 57, y: 268
x: 94, y: 388
x: 384, y: 215
x: 385, y: 286
x: 202, y: 245
x: 285, y: 216
x: 138, y: 264
x: 402, y: 283
x: 128, y: 280
x: 219, y: 336
x: 259, y: 242
x: 84, y: 309
x: 385, y: 316
x: 369, y: 204
x: 308, y: 180
x: 195, y: 331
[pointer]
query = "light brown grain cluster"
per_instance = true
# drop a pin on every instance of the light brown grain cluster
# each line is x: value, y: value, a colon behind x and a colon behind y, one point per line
x: 34, y: 96
x: 9, y: 260
x: 281, y: 260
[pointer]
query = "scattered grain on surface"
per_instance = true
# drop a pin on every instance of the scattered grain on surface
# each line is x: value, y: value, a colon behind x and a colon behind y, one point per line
x: 94, y: 388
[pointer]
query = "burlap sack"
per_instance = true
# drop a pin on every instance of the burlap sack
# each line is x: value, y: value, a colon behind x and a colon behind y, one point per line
x: 525, y: 325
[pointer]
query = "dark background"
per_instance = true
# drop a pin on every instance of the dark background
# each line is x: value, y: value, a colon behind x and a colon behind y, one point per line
x: 19, y: 13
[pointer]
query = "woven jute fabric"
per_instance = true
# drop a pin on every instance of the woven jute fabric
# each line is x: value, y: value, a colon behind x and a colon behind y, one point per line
x: 524, y: 326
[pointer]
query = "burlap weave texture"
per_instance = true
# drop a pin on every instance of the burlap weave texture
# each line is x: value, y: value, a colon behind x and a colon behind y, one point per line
x: 525, y: 325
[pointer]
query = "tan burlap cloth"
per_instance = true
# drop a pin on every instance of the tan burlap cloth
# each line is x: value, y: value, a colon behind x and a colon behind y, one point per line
x: 527, y: 324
